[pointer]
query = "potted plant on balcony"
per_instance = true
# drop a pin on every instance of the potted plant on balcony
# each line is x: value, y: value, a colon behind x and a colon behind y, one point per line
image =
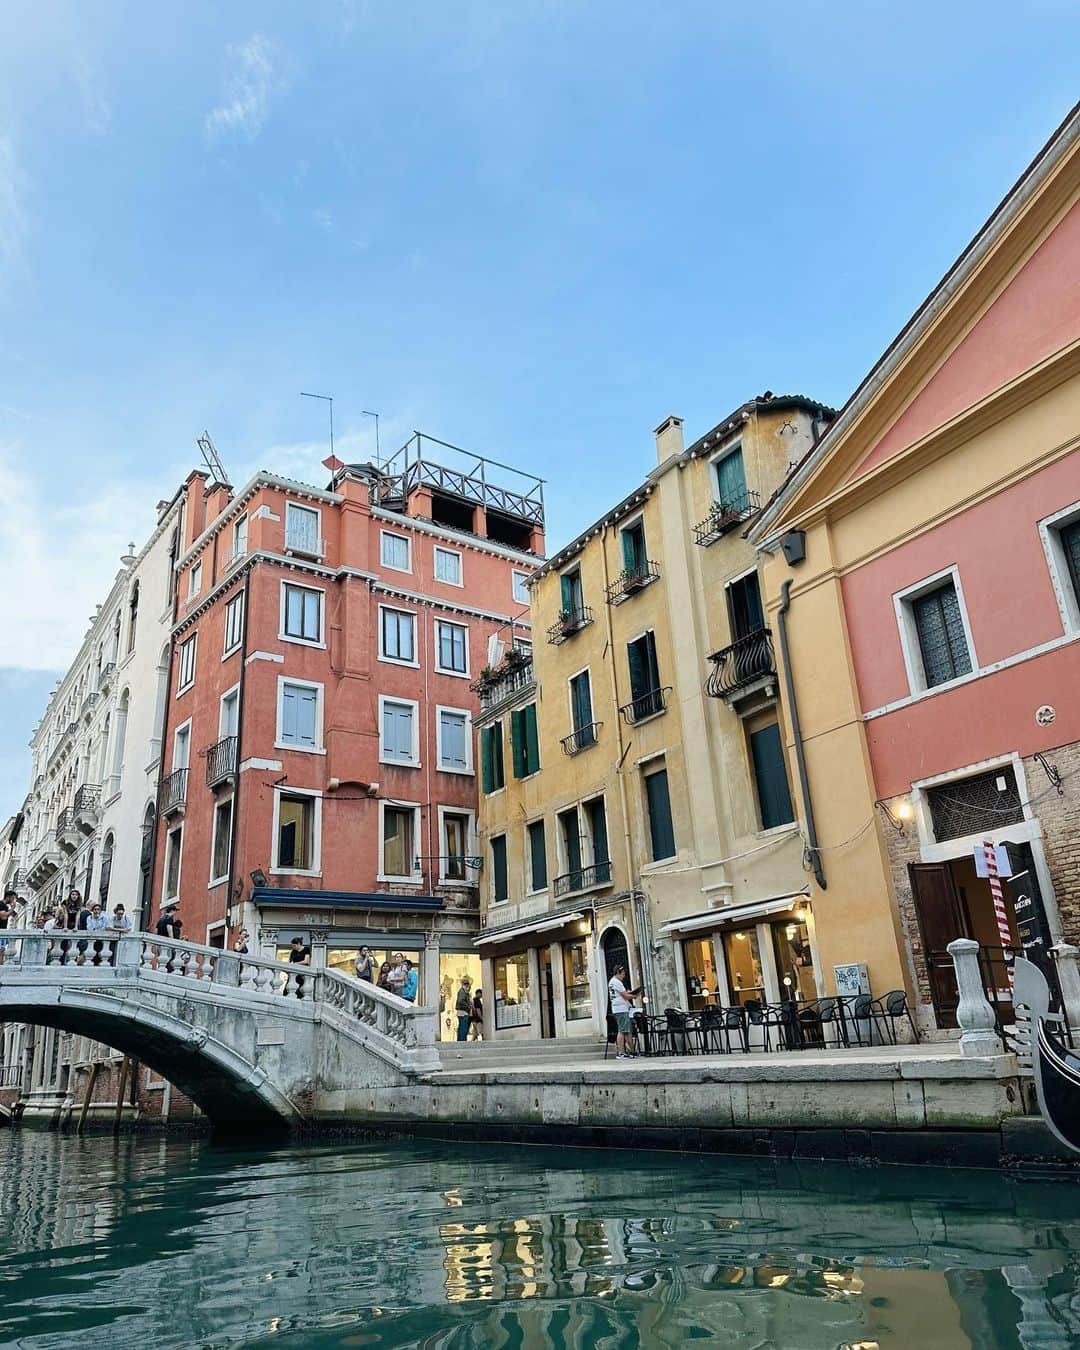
x: 514, y: 660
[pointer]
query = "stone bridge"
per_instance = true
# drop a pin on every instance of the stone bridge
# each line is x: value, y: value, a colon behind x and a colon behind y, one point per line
x: 257, y: 1044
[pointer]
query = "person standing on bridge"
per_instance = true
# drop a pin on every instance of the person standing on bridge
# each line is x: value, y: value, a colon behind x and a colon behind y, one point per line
x: 408, y: 989
x: 463, y: 1008
x: 6, y: 911
x: 119, y: 921
x: 364, y: 967
x: 170, y: 923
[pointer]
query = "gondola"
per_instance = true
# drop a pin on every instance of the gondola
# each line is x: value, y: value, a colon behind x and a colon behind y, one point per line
x: 1055, y: 1066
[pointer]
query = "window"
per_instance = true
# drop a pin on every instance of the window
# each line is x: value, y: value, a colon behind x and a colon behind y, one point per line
x: 234, y: 624
x: 186, y: 664
x: 645, y: 693
x: 745, y: 614
x: 182, y: 747
x: 302, y: 530
x: 397, y: 636
x: 658, y: 802
x: 983, y: 802
x: 297, y: 832
x: 743, y: 962
x: 1070, y: 547
x: 447, y: 566
x: 731, y: 479
x: 451, y: 648
x: 511, y: 979
x: 500, y: 887
x: 454, y: 740
x: 596, y: 820
x: 770, y: 777
x: 173, y: 850
x: 195, y: 580
x: 492, y: 774
x: 133, y: 616
x: 538, y: 877
x: 581, y: 716
x: 222, y: 842
x: 576, y: 980
x: 634, y: 555
x: 399, y: 731
x: 1061, y: 543
x: 301, y: 614
x: 229, y: 716
x: 398, y: 847
x: 570, y: 837
x: 939, y: 630
x: 299, y: 715
x: 572, y: 597
x: 519, y: 585
x: 456, y: 833
x: 524, y: 742
x: 239, y: 537
x: 395, y: 550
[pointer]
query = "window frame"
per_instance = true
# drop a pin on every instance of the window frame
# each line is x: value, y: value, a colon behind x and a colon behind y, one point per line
x: 319, y: 748
x: 233, y: 691
x: 516, y: 575
x: 183, y: 729
x: 1065, y: 592
x: 494, y: 899
x: 487, y: 735
x: 227, y: 649
x: 903, y: 603
x: 530, y: 872
x: 415, y: 875
x: 450, y: 553
x: 303, y: 552
x: 414, y: 705
x: 177, y: 830
x: 440, y: 669
x: 574, y: 675
x: 734, y: 447
x: 239, y: 528
x: 751, y: 732
x: 219, y: 878
x: 654, y: 765
x: 398, y: 660
x: 469, y: 771
x: 470, y: 842
x: 195, y: 579
x: 315, y: 869
x: 283, y: 609
x: 405, y: 539
x: 193, y: 643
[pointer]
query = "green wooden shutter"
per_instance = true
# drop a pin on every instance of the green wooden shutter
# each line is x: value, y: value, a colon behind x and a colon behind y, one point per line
x: 572, y: 839
x: 537, y: 855
x: 517, y: 742
x: 567, y: 592
x: 581, y: 700
x: 532, y: 740
x: 498, y: 768
x: 635, y: 659
x: 652, y: 666
x: 598, y: 829
x: 770, y: 777
x: 661, y: 830
x: 487, y: 766
x: 731, y: 479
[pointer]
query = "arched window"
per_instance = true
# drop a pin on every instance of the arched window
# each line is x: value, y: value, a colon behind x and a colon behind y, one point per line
x: 106, y: 869
x: 103, y: 751
x: 133, y: 616
x: 121, y: 733
x: 146, y: 860
x: 117, y: 622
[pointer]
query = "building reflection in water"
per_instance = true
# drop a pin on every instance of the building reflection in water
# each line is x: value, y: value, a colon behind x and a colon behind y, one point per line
x: 175, y: 1243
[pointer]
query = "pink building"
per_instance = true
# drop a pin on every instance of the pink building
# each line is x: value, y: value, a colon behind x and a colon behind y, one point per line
x: 319, y: 774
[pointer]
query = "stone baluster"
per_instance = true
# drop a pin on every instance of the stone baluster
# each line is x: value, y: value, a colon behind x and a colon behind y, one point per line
x: 1068, y: 971
x: 974, y: 1013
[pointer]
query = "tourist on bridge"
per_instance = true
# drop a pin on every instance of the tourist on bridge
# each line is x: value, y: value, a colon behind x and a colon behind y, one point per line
x: 299, y: 955
x: 7, y: 910
x: 364, y: 966
x: 82, y: 923
x: 97, y: 920
x: 57, y: 920
x: 383, y: 982
x: 118, y: 921
x: 170, y: 924
x: 241, y: 945
x: 409, y: 987
x: 74, y: 905
x: 463, y: 1006
x: 396, y: 979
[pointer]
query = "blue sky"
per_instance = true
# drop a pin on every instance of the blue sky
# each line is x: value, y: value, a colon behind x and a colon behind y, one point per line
x: 534, y: 229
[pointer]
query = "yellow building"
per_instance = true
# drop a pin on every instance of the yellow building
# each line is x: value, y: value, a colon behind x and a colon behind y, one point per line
x: 635, y: 803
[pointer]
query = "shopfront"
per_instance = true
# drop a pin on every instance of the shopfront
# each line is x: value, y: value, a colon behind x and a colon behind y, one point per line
x: 542, y: 978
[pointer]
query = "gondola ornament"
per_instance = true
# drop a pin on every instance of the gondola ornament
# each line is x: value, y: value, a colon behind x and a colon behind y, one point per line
x: 1056, y: 1068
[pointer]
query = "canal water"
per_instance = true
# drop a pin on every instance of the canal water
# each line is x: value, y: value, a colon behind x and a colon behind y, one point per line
x: 176, y: 1242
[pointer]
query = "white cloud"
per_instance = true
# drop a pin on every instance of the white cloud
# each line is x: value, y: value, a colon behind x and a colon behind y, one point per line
x: 250, y: 86
x: 58, y: 561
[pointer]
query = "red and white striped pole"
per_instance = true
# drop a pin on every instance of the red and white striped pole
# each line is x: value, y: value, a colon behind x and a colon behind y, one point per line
x: 1000, y: 914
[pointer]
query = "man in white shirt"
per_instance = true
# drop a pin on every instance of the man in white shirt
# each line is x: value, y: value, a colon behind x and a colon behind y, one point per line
x: 119, y: 921
x: 622, y: 1008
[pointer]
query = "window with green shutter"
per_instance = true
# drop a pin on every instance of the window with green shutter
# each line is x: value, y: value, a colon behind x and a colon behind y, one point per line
x: 643, y: 665
x: 538, y: 877
x: 492, y: 774
x: 658, y: 801
x: 770, y: 777
x: 1070, y: 543
x: 571, y: 841
x: 500, y: 889
x: 572, y: 597
x: 731, y: 480
x: 939, y: 625
x: 596, y: 817
x: 524, y: 742
x: 633, y: 546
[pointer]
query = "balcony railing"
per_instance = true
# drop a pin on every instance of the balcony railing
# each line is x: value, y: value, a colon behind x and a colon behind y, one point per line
x: 105, y: 674
x: 650, y: 704
x: 173, y: 793
x: 724, y: 516
x: 583, y: 879
x: 581, y: 738
x: 503, y: 686
x: 221, y: 760
x: 88, y: 806
x: 748, y: 660
x: 570, y: 621
x: 632, y: 580
x: 67, y: 829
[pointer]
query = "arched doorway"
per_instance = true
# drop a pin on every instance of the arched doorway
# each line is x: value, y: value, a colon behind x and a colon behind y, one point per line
x: 146, y: 862
x: 615, y: 949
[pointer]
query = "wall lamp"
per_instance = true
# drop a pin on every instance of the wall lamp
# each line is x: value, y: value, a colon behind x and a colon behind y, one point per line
x: 258, y: 878
x: 898, y: 817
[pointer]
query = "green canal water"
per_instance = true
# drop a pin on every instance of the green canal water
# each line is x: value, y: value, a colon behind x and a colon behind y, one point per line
x: 176, y: 1242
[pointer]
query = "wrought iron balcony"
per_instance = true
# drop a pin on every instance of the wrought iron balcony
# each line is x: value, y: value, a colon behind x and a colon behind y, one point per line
x: 581, y: 738
x: 738, y: 668
x: 570, y: 621
x: 503, y: 685
x: 221, y: 761
x: 583, y: 879
x: 173, y: 794
x: 105, y: 674
x: 650, y: 704
x: 67, y: 829
x: 88, y: 807
x: 632, y: 580
x: 724, y: 516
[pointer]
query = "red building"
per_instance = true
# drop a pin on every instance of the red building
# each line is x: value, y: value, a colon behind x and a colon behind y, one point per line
x: 318, y: 771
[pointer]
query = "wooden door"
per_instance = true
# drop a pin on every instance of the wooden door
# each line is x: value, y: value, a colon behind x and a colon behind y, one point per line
x: 941, y: 917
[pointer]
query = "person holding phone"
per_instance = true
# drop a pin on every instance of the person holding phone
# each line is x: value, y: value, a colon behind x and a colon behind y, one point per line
x: 622, y: 1007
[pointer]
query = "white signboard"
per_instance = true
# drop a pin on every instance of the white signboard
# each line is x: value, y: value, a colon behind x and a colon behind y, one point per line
x: 1001, y: 853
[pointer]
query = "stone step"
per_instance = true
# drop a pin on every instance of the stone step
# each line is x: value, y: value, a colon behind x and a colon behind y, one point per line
x: 463, y: 1053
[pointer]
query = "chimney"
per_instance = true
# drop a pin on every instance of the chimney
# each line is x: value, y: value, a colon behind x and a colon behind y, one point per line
x: 195, y: 506
x: 218, y: 496
x: 669, y: 439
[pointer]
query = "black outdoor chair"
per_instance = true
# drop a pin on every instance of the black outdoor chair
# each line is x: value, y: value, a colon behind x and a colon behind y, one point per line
x: 679, y: 1028
x: 735, y: 1021
x: 712, y: 1029
x: 612, y: 1032
x: 782, y: 1018
x: 891, y: 1008
x: 864, y: 1019
x: 817, y: 1018
x: 756, y: 1015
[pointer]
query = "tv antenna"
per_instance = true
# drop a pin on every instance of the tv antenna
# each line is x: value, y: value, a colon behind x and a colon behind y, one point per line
x: 212, y: 459
x: 326, y: 398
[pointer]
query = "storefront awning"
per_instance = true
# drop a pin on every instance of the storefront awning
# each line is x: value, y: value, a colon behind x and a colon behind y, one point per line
x: 515, y: 930
x: 290, y: 897
x: 725, y: 915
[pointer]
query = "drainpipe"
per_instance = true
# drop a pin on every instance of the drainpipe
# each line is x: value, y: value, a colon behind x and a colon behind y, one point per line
x: 796, y: 731
x: 239, y: 746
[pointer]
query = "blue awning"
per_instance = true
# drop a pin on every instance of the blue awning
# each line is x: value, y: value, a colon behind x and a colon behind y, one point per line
x: 293, y: 898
